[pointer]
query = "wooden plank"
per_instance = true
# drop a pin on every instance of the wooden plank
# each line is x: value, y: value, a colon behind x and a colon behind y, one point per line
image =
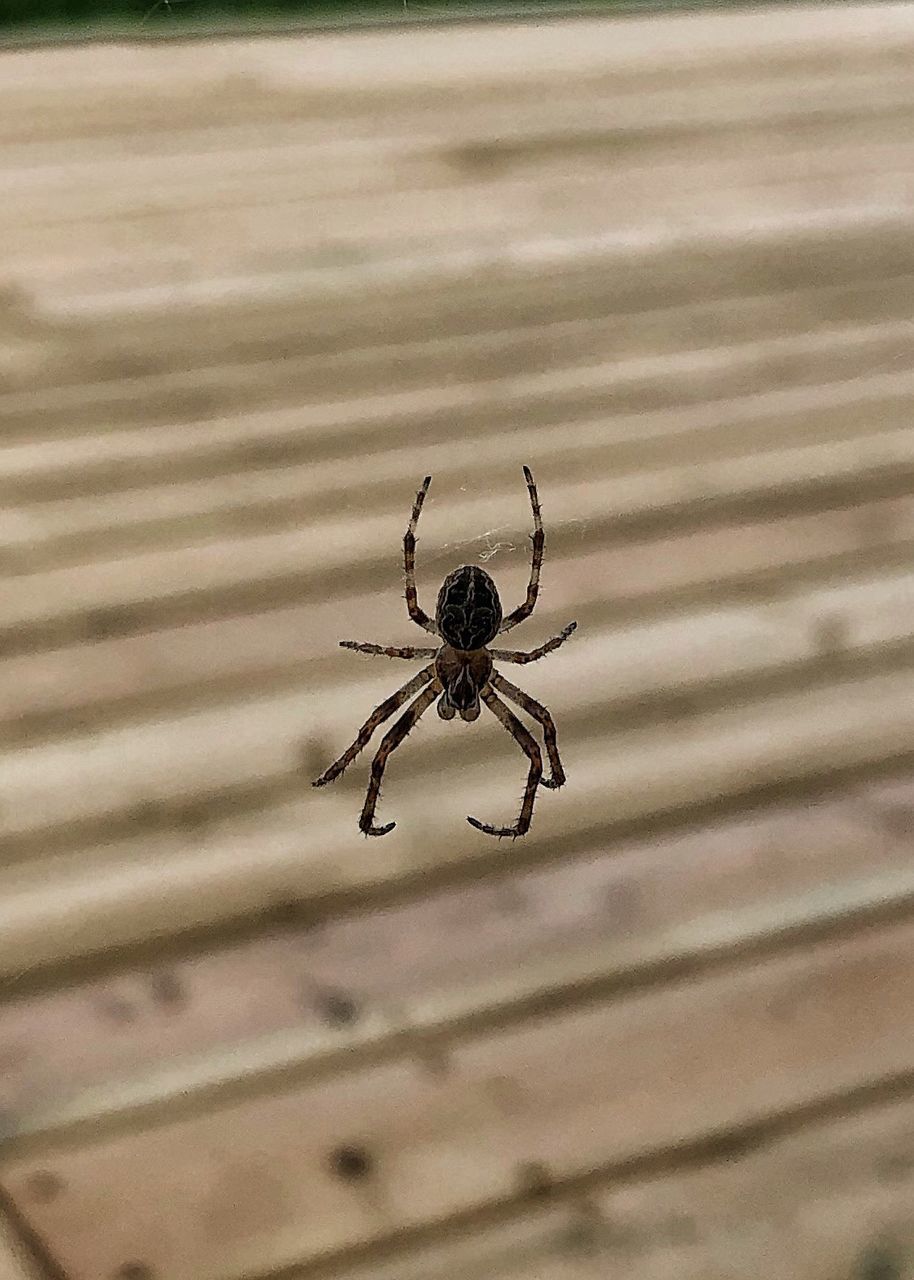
x: 403, y: 128
x: 245, y: 865
x: 261, y: 1184
x: 131, y: 77
x: 16, y: 1261
x: 398, y: 145
x: 258, y: 309
x: 814, y: 475
x: 151, y: 331
x: 735, y: 380
x: 808, y: 93
x: 826, y: 90
x: 862, y: 405
x: 257, y: 743
x: 347, y: 354
x: 68, y: 690
x: 225, y: 578
x: 176, y: 802
x: 834, y: 1199
x: 517, y: 156
x: 627, y: 574
x: 286, y: 219
x: 303, y: 1002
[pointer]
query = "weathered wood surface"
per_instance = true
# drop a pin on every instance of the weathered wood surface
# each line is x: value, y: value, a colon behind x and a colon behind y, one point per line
x: 253, y: 291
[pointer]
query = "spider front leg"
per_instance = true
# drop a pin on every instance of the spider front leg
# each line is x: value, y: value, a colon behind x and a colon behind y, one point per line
x: 536, y: 562
x: 378, y: 716
x: 528, y: 745
x: 539, y: 712
x: 391, y: 740
x: 409, y: 563
x: 389, y: 651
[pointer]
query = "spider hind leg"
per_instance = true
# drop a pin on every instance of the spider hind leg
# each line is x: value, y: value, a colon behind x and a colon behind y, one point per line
x: 378, y: 716
x: 540, y: 714
x: 528, y: 745
x: 389, y: 743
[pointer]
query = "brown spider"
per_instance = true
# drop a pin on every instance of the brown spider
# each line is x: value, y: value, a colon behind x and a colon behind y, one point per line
x: 467, y: 618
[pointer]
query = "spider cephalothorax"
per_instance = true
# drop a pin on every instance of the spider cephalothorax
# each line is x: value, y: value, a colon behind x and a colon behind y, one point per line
x: 468, y: 617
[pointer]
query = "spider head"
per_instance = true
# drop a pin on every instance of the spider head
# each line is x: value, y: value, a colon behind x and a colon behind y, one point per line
x: 469, y: 610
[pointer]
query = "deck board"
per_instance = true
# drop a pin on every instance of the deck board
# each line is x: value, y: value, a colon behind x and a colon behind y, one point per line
x: 252, y: 292
x: 253, y: 1185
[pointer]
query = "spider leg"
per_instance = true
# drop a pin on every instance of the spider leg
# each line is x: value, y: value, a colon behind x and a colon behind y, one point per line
x: 529, y: 746
x: 405, y: 651
x: 512, y: 655
x: 409, y: 563
x: 539, y: 712
x: 389, y: 743
x: 378, y: 716
x: 536, y: 563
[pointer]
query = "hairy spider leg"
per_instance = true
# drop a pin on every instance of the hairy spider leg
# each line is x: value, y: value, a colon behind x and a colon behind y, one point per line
x: 409, y: 563
x: 389, y: 743
x: 389, y: 651
x: 513, y: 655
x: 378, y: 716
x: 530, y: 748
x: 536, y: 563
x: 539, y: 712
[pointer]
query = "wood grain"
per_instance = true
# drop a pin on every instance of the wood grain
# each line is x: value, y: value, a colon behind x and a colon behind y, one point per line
x: 832, y: 1199
x: 254, y: 290
x: 253, y: 1186
x: 299, y: 1000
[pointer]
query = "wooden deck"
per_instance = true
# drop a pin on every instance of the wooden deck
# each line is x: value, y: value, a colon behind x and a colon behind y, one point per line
x: 251, y: 292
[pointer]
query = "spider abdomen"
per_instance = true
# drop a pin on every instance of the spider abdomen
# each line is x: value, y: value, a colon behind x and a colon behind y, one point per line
x: 469, y: 611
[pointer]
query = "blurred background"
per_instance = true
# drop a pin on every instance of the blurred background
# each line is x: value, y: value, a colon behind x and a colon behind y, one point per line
x: 255, y: 284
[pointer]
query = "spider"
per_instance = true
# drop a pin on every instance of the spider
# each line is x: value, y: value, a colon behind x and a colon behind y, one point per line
x: 467, y: 618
